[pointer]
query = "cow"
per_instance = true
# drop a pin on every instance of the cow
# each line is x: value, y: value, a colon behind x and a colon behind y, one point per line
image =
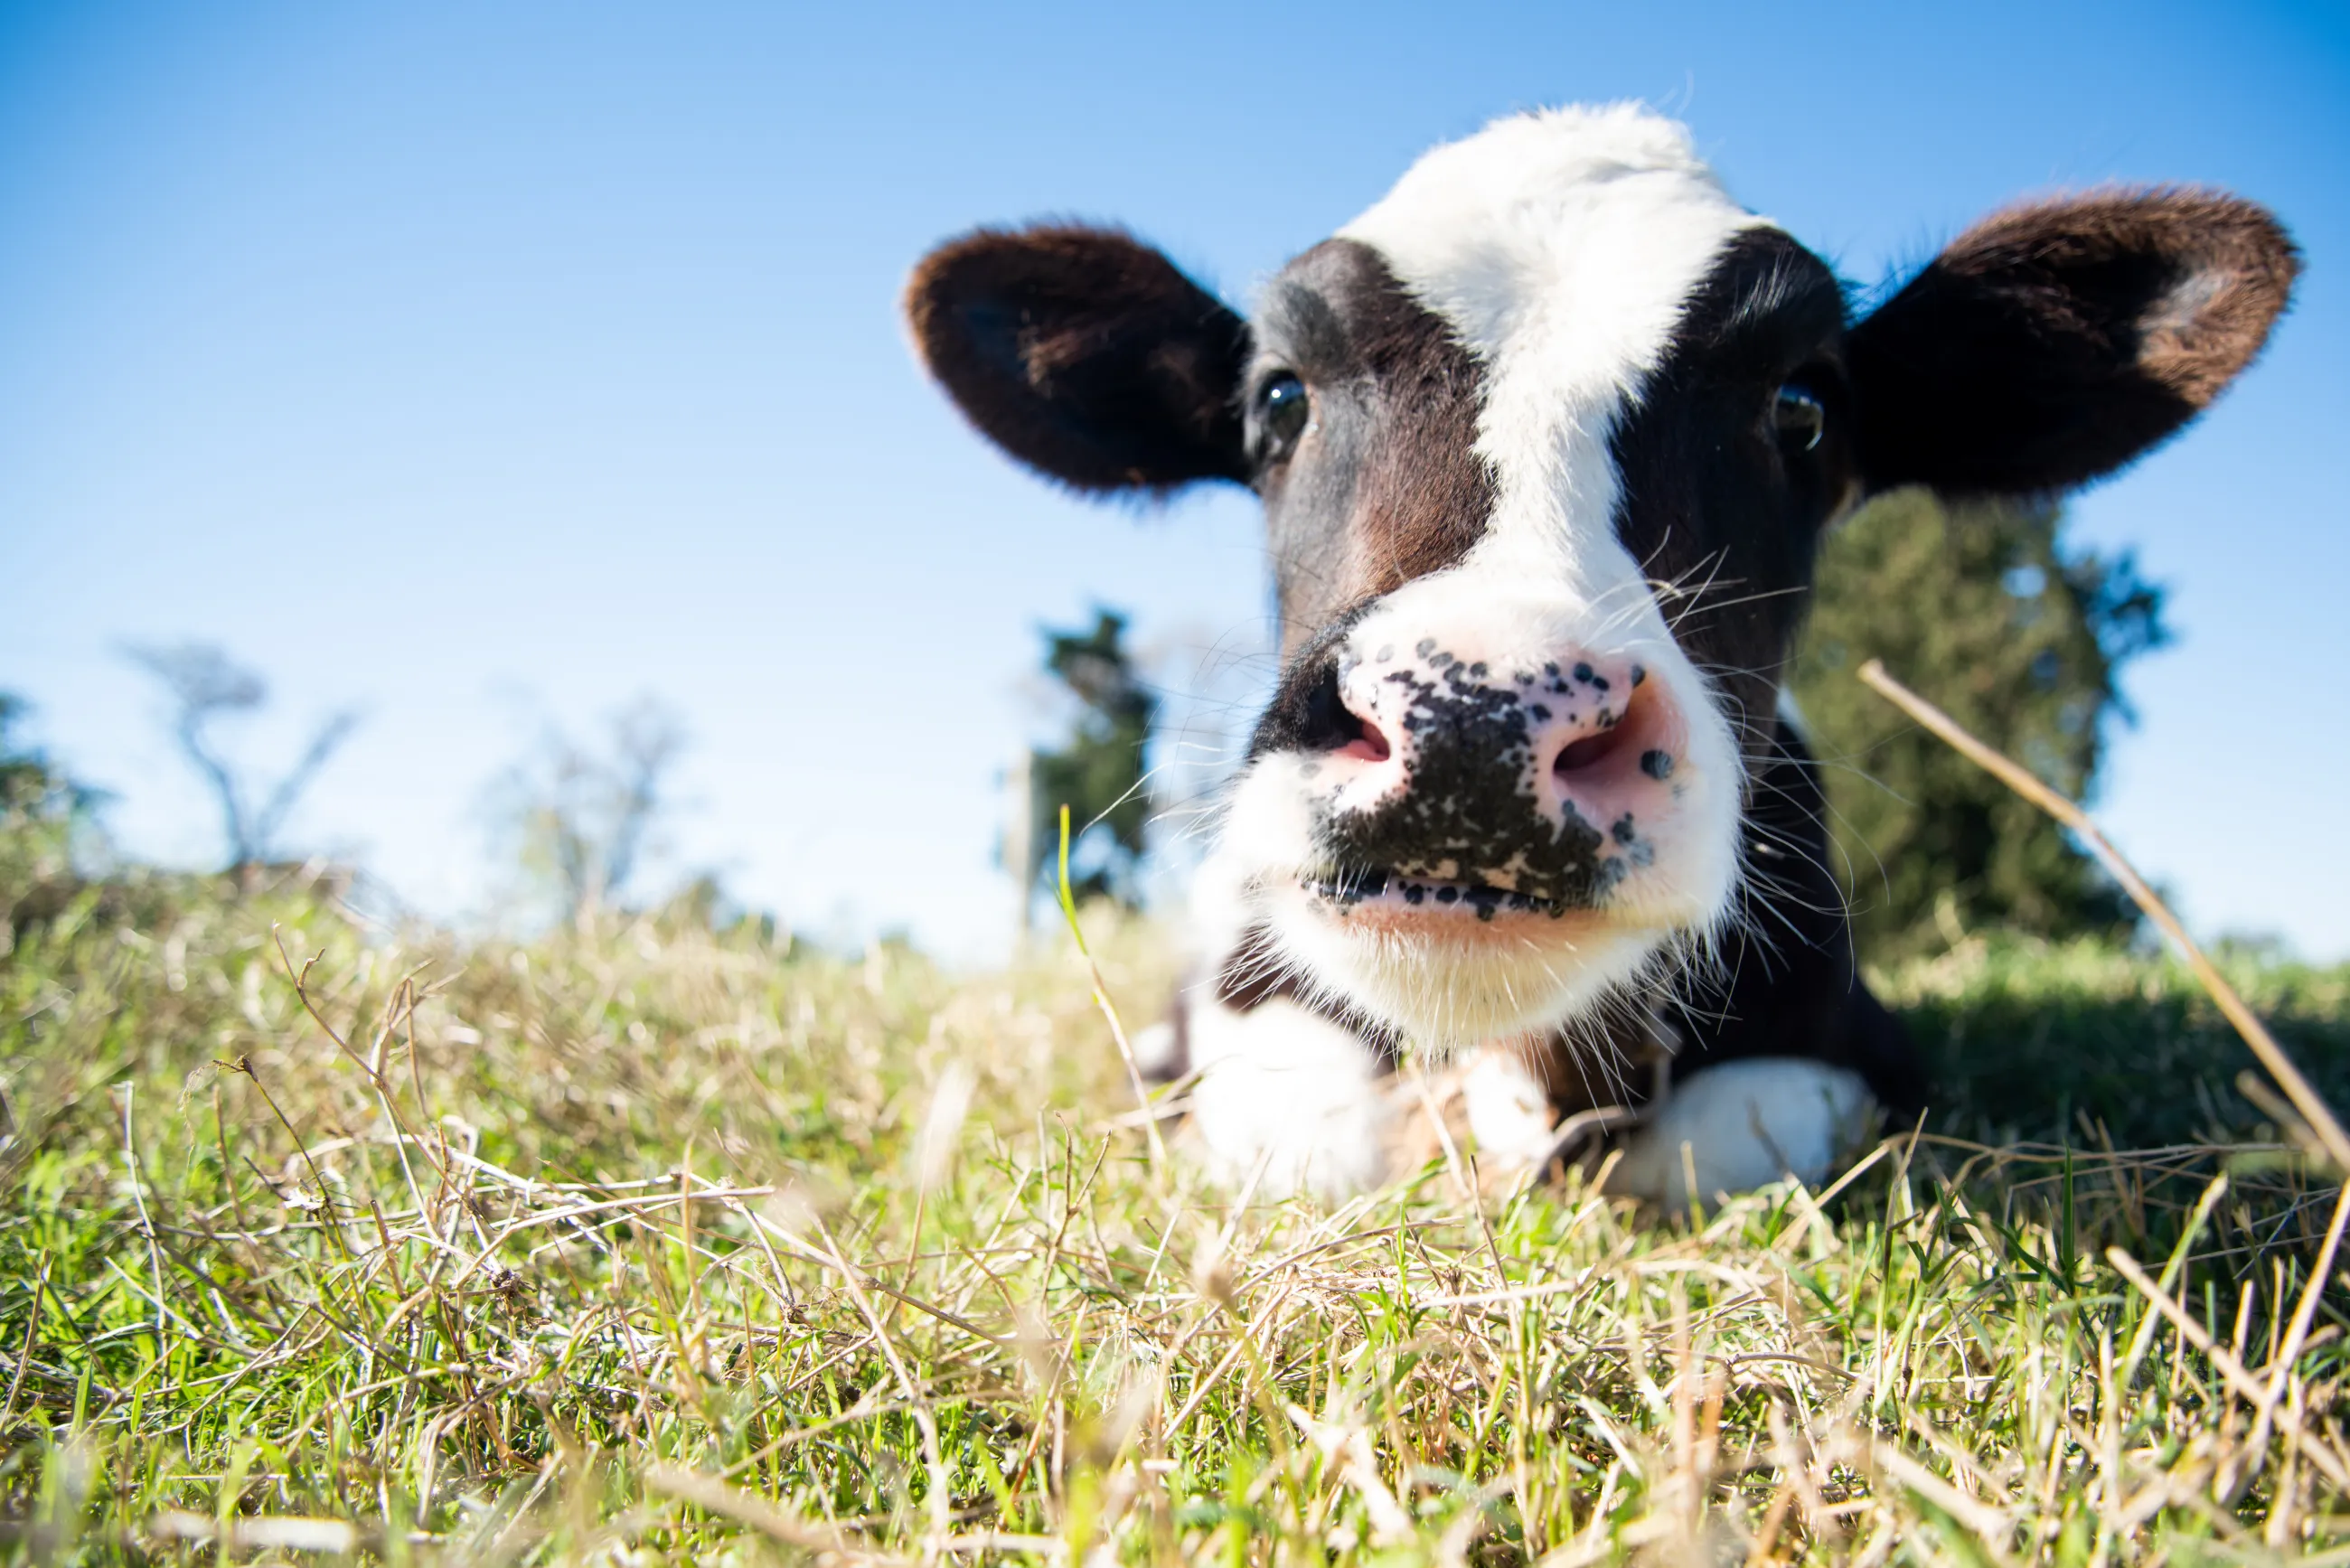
x: 1546, y: 442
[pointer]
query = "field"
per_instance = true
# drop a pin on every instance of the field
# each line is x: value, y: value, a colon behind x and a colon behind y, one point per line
x: 650, y: 1242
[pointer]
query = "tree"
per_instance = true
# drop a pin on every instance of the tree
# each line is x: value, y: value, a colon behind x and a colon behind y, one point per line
x: 30, y: 787
x: 1984, y: 609
x: 1098, y: 774
x: 584, y: 814
x: 44, y: 817
x: 205, y: 686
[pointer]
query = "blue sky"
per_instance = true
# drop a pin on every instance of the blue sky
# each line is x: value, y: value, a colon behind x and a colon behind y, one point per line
x: 489, y: 366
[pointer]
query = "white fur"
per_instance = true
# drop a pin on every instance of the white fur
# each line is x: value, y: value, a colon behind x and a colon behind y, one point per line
x: 1508, y: 1113
x: 1745, y: 1125
x: 1281, y: 1085
x: 1561, y: 247
x: 1154, y: 1051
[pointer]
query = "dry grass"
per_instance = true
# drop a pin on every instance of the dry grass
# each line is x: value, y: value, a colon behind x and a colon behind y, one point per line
x: 649, y: 1242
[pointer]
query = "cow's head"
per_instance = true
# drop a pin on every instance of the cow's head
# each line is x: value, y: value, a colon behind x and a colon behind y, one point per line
x: 1546, y: 440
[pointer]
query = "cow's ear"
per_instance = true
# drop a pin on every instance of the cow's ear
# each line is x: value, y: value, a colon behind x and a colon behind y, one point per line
x: 1085, y: 354
x: 2053, y: 342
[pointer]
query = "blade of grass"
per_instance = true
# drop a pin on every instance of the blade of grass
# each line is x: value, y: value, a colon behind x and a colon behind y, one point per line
x: 1101, y: 998
x: 2297, y: 1088
x: 710, y: 1493
x: 2230, y: 1368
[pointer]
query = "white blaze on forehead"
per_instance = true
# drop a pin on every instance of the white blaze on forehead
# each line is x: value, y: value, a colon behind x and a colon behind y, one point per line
x: 1561, y: 248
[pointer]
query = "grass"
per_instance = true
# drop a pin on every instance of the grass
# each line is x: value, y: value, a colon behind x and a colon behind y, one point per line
x: 648, y: 1241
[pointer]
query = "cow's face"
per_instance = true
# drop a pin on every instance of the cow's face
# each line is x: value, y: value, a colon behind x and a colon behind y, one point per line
x: 1545, y: 442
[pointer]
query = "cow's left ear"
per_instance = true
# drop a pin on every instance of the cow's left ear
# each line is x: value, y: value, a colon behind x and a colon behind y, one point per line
x: 2053, y: 343
x: 1085, y: 354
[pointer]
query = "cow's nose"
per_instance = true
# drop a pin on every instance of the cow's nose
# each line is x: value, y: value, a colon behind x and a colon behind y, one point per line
x: 1578, y: 722
x: 1470, y: 768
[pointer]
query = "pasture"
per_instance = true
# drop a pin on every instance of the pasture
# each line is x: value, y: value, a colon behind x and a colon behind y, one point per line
x: 647, y: 1242
x: 602, y: 430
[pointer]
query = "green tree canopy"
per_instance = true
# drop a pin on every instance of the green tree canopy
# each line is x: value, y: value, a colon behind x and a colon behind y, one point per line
x: 1098, y: 774
x: 45, y: 820
x: 1983, y: 609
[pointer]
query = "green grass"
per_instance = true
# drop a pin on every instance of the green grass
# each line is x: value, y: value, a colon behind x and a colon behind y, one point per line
x: 648, y: 1242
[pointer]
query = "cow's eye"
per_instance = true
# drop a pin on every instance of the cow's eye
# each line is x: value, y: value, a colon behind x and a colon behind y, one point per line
x: 1281, y: 413
x: 1798, y: 416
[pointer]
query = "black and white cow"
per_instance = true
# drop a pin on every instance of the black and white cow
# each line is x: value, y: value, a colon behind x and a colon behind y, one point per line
x: 1547, y: 441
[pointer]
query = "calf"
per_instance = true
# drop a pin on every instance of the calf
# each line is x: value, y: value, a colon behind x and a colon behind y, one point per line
x: 1547, y: 441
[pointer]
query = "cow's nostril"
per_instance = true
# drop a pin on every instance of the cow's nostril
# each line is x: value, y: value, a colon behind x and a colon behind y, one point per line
x: 1369, y: 745
x: 1587, y: 752
x: 1329, y: 724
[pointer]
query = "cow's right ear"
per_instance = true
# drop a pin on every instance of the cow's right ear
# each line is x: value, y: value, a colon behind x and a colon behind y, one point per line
x: 2053, y: 342
x: 1085, y: 354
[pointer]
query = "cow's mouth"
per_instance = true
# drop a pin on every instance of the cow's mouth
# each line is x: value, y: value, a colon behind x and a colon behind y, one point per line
x: 1377, y: 889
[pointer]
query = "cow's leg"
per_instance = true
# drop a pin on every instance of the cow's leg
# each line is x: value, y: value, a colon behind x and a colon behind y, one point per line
x: 1510, y: 1110
x: 1745, y: 1125
x: 1284, y: 1088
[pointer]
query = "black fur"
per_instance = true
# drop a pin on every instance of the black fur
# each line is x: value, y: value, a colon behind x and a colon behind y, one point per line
x: 1783, y: 981
x: 1715, y: 503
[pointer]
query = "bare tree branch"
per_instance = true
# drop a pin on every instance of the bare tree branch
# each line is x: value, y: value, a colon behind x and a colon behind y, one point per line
x: 585, y: 814
x: 205, y: 684
x: 332, y: 733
